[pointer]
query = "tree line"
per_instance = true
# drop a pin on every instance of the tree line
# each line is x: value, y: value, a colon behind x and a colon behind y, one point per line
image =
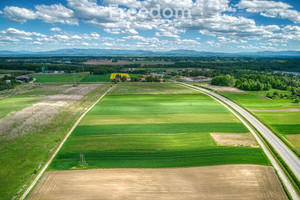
x: 261, y: 82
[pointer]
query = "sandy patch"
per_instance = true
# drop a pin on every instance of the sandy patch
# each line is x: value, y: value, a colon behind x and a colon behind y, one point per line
x: 234, y: 139
x: 225, y: 89
x: 234, y: 182
x: 279, y: 110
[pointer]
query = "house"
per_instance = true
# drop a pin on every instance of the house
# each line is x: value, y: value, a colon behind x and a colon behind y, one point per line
x: 23, y: 78
x: 7, y: 81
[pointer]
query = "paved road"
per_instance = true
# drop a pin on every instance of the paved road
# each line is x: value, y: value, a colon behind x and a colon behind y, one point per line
x: 59, y: 147
x: 286, y: 154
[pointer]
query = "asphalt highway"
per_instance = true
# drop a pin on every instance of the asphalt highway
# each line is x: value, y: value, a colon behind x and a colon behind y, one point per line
x: 283, y: 151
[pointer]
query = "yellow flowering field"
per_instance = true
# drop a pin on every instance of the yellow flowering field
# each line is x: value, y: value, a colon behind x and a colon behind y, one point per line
x: 113, y: 75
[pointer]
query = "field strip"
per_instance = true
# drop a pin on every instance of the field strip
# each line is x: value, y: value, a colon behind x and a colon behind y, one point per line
x: 280, y: 172
x: 59, y: 147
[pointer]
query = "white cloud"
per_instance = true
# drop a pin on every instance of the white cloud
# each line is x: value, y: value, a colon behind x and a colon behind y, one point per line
x: 8, y: 39
x: 166, y: 34
x: 128, y: 3
x: 76, y: 37
x: 19, y: 15
x: 108, y: 44
x: 95, y: 36
x: 61, y: 37
x: 209, y: 17
x: 37, y: 43
x: 130, y: 31
x: 272, y: 9
x: 56, y: 13
x: 55, y: 29
x: 20, y: 33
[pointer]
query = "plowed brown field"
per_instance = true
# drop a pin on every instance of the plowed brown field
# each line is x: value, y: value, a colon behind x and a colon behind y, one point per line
x: 238, y: 182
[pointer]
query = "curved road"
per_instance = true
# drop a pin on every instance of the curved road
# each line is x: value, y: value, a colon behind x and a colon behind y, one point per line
x: 285, y: 153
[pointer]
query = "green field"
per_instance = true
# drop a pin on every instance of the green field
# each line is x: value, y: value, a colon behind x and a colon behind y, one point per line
x: 48, y: 78
x: 22, y: 156
x: 285, y: 123
x: 134, y: 75
x: 96, y: 78
x: 149, y: 130
x: 15, y: 104
x: 150, y: 88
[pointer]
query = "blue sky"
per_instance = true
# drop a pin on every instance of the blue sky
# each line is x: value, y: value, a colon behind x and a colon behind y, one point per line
x: 207, y: 25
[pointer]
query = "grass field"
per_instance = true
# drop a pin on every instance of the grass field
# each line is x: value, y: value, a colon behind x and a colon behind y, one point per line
x: 48, y: 78
x: 15, y: 104
x: 283, y: 122
x: 134, y: 75
x: 96, y: 78
x: 133, y: 128
x: 33, y: 121
x: 150, y: 88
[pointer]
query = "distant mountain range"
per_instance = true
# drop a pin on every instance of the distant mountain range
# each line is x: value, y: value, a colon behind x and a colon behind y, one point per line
x: 179, y: 52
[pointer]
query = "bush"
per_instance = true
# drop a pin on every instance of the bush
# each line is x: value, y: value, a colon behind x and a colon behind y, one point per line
x: 226, y: 80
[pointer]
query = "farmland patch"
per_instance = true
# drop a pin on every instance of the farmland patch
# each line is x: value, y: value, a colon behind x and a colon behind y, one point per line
x: 154, y: 131
x: 234, y: 139
x: 235, y: 182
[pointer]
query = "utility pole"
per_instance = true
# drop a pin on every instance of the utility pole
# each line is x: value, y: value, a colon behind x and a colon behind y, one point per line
x: 82, y: 160
x: 74, y: 80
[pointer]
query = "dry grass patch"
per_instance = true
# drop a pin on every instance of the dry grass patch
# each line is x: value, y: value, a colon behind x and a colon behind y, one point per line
x: 234, y: 139
x: 225, y: 89
x: 234, y: 182
x: 295, y: 140
x: 38, y: 115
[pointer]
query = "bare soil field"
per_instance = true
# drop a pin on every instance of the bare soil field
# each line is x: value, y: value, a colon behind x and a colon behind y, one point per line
x: 225, y: 89
x: 240, y: 182
x: 234, y: 139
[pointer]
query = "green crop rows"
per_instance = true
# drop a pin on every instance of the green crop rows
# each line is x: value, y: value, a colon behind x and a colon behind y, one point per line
x: 152, y: 131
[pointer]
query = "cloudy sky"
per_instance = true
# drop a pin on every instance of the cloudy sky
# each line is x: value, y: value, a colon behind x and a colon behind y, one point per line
x: 158, y: 25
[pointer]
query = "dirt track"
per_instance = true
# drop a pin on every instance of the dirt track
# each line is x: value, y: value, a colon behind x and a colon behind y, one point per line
x: 240, y: 182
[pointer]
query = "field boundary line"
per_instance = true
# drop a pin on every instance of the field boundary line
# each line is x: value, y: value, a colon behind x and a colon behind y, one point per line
x: 28, y: 190
x: 273, y: 161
